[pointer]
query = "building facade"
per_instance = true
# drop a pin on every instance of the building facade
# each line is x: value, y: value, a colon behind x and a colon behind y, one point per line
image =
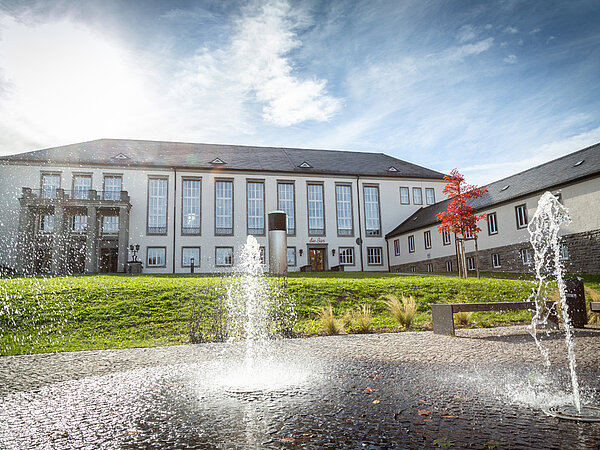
x: 79, y: 208
x: 416, y: 245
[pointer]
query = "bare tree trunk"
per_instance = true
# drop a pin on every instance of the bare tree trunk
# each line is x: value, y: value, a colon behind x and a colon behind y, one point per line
x: 477, y: 257
x: 463, y: 259
x: 456, y: 245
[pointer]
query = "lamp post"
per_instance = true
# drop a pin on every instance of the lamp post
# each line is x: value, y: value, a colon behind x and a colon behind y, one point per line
x: 191, y: 265
x: 134, y: 250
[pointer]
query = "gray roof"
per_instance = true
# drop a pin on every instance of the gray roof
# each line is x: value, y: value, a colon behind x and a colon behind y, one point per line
x: 550, y: 175
x: 135, y: 153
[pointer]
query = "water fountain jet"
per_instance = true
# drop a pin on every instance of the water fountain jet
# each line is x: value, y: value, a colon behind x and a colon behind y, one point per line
x: 544, y: 229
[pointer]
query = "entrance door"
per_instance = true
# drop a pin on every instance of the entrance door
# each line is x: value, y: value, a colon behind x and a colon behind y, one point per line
x: 317, y: 259
x: 76, y: 260
x: 108, y: 260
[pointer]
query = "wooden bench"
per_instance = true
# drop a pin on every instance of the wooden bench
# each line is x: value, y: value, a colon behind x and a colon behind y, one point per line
x: 595, y: 306
x: 443, y: 314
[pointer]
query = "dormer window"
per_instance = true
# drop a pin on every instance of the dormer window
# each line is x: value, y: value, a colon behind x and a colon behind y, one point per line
x: 578, y: 163
x: 217, y: 161
x: 392, y: 169
x: 121, y: 156
x: 505, y: 188
x: 305, y: 165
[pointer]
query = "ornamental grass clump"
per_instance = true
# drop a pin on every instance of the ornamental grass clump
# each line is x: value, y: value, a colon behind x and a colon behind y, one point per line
x: 594, y: 295
x: 463, y: 318
x: 404, y: 312
x: 330, y: 324
x: 362, y: 319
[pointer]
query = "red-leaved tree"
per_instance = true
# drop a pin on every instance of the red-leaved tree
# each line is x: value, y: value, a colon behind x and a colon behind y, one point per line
x: 460, y: 218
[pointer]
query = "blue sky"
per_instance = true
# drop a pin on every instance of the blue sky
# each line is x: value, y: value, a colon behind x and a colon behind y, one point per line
x: 488, y: 87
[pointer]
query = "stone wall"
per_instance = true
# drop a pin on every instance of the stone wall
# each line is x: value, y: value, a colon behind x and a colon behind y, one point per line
x: 584, y: 257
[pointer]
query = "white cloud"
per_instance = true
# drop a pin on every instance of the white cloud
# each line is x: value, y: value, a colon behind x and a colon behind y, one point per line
x: 510, y: 59
x: 63, y: 82
x: 470, y: 49
x: 255, y: 68
x: 535, y: 30
x: 486, y: 173
x: 511, y: 30
x: 466, y: 33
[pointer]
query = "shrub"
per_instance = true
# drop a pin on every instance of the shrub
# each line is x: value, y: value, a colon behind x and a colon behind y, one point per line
x: 403, y: 312
x: 329, y: 323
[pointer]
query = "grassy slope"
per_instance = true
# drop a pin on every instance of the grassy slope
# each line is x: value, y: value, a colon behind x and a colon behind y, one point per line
x: 94, y: 312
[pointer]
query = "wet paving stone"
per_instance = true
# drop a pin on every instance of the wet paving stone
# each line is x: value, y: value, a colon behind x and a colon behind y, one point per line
x: 357, y: 392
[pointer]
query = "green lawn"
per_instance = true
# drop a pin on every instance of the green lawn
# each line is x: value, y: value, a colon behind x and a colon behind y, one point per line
x: 116, y: 311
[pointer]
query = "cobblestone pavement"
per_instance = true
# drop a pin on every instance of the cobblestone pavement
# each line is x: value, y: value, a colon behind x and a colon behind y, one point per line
x: 483, y: 388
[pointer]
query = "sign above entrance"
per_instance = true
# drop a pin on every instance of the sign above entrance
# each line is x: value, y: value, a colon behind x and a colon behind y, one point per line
x: 313, y: 240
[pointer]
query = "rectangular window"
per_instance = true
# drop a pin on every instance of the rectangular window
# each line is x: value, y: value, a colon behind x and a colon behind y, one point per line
x: 223, y: 256
x: 285, y: 203
x: 429, y: 267
x: 448, y: 266
x: 316, y: 218
x: 417, y: 196
x: 564, y: 252
x: 372, y: 222
x: 112, y: 187
x: 374, y: 256
x: 110, y: 224
x: 81, y: 187
x: 427, y: 239
x: 50, y: 183
x: 47, y: 223
x: 521, y: 213
x: 492, y: 223
x: 80, y: 223
x: 396, y: 247
x: 470, y: 263
x: 525, y: 256
x: 256, y: 207
x: 157, y: 205
x: 343, y: 199
x: 404, y: 196
x: 411, y: 244
x: 261, y: 255
x: 291, y: 256
x: 495, y: 260
x: 157, y: 257
x: 191, y: 206
x: 224, y: 208
x: 445, y: 238
x: 430, y: 196
x: 346, y: 256
x: 188, y: 254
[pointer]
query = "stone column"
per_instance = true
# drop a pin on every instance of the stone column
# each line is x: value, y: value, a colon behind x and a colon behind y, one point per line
x: 25, y: 241
x: 58, y: 242
x: 91, y: 241
x: 123, y: 243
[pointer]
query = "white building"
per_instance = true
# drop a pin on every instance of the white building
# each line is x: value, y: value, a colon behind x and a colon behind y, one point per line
x: 77, y: 208
x: 415, y: 245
